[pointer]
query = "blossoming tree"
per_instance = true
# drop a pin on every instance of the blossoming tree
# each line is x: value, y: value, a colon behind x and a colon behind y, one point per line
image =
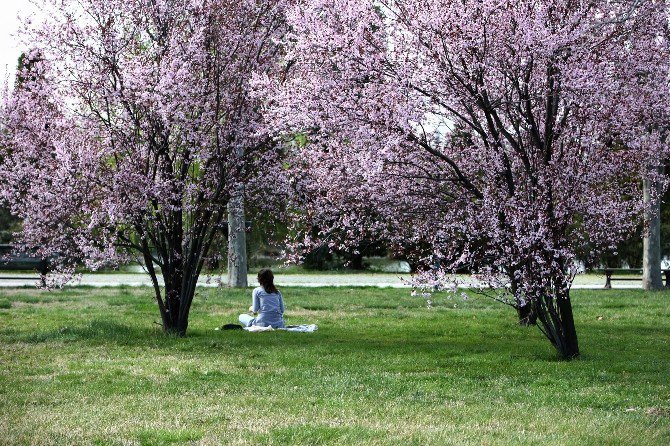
x: 502, y: 136
x: 131, y: 125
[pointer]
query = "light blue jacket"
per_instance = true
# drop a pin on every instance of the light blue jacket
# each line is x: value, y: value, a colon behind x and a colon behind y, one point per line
x: 270, y: 308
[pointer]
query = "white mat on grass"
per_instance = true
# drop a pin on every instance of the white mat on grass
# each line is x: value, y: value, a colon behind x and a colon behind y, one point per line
x: 304, y: 328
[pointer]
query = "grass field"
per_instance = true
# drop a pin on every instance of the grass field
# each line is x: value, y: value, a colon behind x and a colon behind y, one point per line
x: 89, y: 366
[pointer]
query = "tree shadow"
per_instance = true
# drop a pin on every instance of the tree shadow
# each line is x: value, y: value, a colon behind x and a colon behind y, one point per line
x: 511, y: 342
x: 98, y: 331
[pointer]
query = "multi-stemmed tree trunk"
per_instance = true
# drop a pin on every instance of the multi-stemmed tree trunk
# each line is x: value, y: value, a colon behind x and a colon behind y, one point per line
x: 526, y: 313
x: 180, y: 254
x: 180, y: 275
x: 553, y: 310
x: 525, y: 310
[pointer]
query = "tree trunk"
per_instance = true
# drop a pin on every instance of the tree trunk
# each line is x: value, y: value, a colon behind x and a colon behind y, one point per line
x: 651, y: 257
x: 179, y: 295
x: 527, y: 315
x: 237, y: 241
x: 175, y: 307
x: 570, y: 348
x: 177, y: 327
x: 357, y: 262
x: 554, y: 311
x: 525, y: 311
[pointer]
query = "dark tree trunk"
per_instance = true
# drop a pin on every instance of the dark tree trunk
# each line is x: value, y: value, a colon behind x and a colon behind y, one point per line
x: 175, y: 319
x: 524, y: 309
x: 526, y: 313
x: 175, y: 305
x: 570, y: 347
x: 176, y: 324
x: 554, y: 311
x: 180, y: 274
x: 356, y: 261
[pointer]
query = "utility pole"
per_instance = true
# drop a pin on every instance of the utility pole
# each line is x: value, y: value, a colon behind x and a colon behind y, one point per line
x: 237, y: 240
x: 651, y: 257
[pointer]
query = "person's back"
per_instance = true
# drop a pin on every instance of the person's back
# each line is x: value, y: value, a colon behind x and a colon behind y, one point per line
x: 270, y: 308
x: 267, y: 302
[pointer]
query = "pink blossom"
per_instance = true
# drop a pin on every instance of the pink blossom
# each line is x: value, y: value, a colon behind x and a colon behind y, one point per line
x: 503, y: 137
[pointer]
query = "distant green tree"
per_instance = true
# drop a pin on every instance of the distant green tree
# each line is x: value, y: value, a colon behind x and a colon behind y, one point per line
x: 8, y: 225
x: 629, y: 252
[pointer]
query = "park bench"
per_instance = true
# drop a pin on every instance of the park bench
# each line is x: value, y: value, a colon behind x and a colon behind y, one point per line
x: 22, y: 261
x: 610, y: 272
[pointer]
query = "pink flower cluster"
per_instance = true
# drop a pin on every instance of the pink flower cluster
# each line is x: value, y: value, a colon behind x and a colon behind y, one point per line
x: 505, y: 137
x: 131, y: 123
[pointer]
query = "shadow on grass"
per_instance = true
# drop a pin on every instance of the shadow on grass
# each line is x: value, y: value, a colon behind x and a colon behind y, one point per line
x: 329, y: 340
x: 98, y: 331
x: 485, y: 337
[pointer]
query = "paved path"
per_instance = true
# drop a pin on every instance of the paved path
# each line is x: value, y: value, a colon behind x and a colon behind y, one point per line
x: 589, y: 281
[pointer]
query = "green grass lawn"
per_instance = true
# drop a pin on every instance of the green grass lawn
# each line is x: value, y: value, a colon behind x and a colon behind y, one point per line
x: 90, y: 366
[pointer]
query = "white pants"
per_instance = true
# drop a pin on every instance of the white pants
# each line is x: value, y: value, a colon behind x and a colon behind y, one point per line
x: 246, y: 319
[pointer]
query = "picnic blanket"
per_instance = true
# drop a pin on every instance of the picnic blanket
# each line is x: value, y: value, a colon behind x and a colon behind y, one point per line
x: 304, y: 328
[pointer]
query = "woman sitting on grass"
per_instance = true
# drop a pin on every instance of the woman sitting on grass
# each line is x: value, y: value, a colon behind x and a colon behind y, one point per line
x: 267, y: 304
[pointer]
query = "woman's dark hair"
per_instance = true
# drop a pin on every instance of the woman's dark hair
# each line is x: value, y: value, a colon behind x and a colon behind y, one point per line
x: 266, y: 279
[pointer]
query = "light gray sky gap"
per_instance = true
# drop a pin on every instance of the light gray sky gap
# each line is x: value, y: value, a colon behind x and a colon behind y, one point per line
x: 9, y: 24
